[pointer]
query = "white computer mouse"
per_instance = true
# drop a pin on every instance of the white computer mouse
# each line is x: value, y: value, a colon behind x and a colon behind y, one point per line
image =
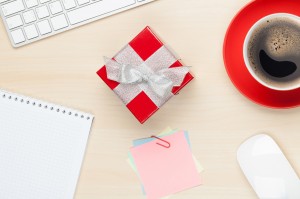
x: 267, y: 169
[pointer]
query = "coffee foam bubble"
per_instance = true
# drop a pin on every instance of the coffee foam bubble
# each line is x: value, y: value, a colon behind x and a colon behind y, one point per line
x: 283, y: 40
x: 280, y: 39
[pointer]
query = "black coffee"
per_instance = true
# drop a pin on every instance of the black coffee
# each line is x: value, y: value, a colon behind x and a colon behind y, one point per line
x: 278, y: 69
x: 274, y: 51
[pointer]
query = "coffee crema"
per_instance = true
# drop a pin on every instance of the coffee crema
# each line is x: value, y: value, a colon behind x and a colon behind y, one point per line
x: 274, y: 51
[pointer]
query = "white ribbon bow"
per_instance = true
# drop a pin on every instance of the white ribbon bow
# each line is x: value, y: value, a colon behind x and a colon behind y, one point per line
x: 161, y: 82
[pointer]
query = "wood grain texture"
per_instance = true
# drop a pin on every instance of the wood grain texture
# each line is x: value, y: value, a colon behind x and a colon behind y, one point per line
x: 62, y: 69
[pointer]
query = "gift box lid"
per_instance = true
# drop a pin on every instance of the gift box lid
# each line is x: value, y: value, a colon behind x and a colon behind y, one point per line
x: 140, y: 102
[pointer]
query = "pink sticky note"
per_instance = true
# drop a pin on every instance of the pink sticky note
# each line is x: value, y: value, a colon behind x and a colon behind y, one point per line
x: 165, y: 171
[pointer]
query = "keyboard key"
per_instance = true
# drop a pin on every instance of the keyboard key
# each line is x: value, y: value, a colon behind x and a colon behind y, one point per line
x: 68, y: 4
x: 44, y: 1
x: 2, y: 1
x: 55, y: 7
x: 14, y: 21
x: 81, y: 2
x: 44, y: 27
x: 29, y: 16
x: 31, y: 3
x: 42, y: 12
x: 18, y: 36
x: 31, y: 31
x: 96, y: 9
x: 12, y: 7
x: 59, y: 22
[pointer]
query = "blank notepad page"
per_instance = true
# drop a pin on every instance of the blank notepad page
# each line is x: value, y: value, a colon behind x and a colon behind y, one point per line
x: 42, y: 147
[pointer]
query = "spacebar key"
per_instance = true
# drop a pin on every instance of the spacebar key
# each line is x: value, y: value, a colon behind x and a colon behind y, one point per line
x: 97, y: 9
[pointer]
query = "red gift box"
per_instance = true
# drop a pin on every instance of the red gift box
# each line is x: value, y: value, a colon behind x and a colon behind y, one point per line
x: 144, y: 49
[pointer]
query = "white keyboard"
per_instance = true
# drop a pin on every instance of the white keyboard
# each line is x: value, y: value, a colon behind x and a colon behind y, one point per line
x: 27, y: 21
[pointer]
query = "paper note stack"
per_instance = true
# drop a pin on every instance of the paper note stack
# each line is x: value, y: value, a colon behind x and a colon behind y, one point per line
x: 165, y: 164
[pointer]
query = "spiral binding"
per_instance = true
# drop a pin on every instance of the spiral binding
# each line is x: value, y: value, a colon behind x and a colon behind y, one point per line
x: 44, y: 106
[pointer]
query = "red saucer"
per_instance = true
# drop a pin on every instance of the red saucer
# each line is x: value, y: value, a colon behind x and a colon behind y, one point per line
x: 233, y: 53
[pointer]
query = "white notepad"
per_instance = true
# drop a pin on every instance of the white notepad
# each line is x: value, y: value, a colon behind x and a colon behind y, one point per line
x: 42, y: 146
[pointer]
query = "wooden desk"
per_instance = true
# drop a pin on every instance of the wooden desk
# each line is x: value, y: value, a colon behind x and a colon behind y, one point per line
x: 62, y: 69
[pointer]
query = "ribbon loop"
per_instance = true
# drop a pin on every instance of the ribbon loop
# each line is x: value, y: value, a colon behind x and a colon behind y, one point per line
x: 161, y: 82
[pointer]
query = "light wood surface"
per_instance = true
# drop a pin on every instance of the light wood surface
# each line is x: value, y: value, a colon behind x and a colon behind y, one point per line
x: 62, y: 69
